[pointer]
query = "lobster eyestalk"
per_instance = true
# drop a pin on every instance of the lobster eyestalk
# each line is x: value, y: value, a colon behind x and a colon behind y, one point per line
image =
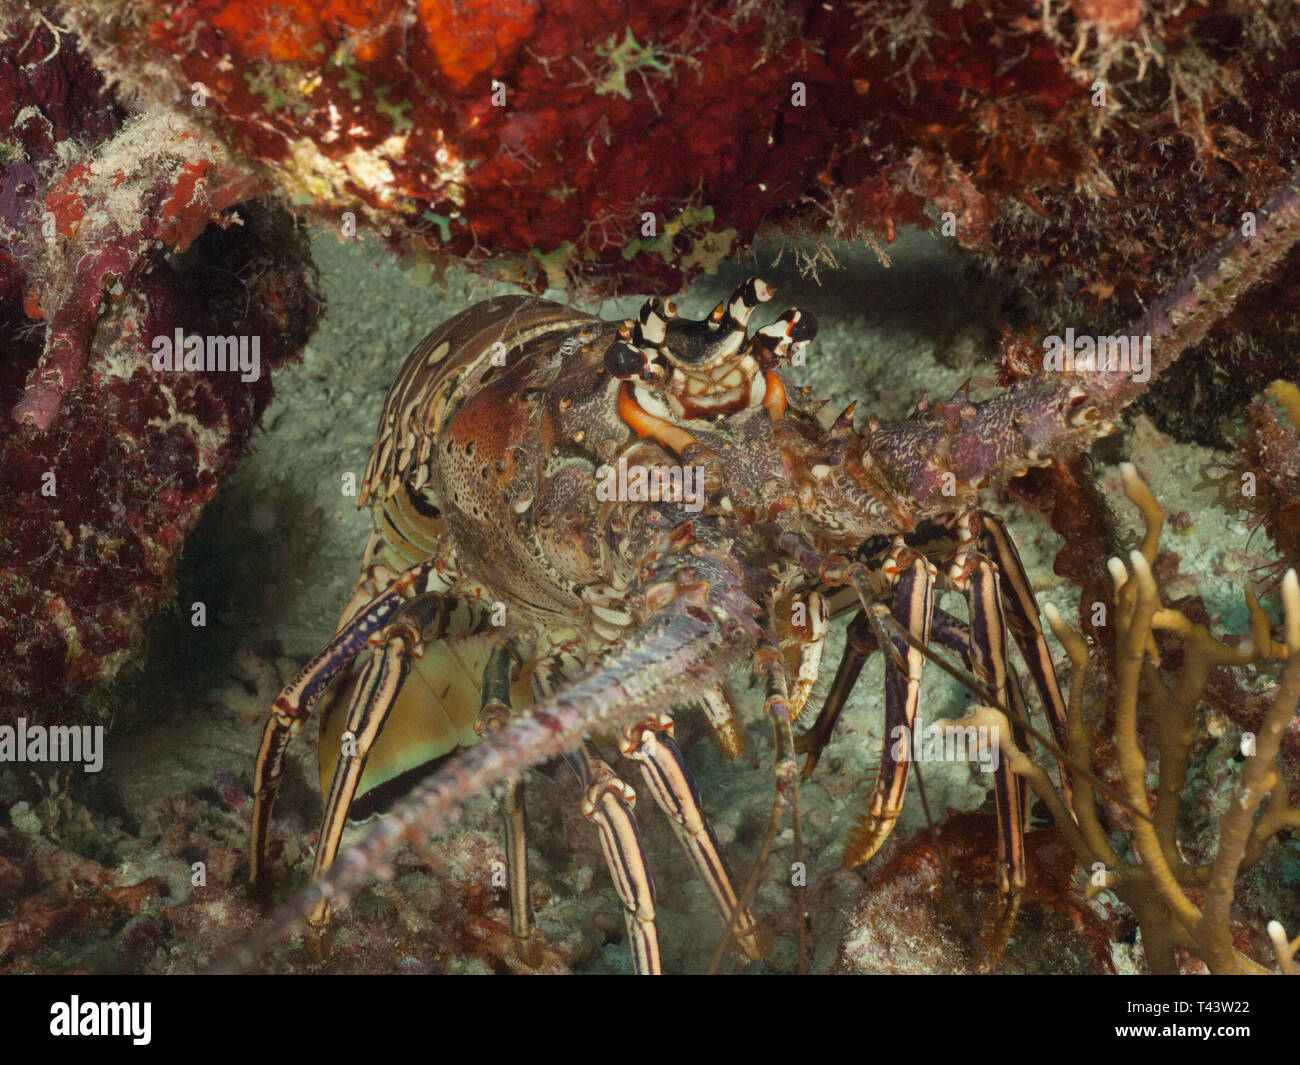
x: 947, y: 451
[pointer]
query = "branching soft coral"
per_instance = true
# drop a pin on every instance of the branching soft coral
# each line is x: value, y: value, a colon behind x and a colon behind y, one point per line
x: 1177, y: 904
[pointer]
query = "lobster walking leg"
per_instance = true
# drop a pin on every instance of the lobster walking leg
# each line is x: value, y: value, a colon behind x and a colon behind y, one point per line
x: 669, y: 780
x: 1026, y: 628
x: 292, y: 707
x: 817, y: 625
x: 859, y: 644
x: 494, y: 712
x: 716, y: 706
x: 396, y: 646
x: 769, y: 667
x: 913, y: 606
x: 977, y: 577
x: 380, y: 682
x: 607, y: 802
x: 954, y: 636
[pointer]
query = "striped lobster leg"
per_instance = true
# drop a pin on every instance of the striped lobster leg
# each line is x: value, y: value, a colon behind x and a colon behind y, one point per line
x: 669, y: 780
x: 976, y: 576
x: 495, y: 712
x: 291, y: 709
x: 859, y: 645
x: 395, y: 647
x: 607, y: 802
x: 1025, y: 626
x: 954, y: 636
x: 912, y: 577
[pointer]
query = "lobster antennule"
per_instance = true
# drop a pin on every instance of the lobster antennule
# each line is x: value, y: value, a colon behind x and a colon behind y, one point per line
x: 652, y: 322
x: 748, y: 295
x: 722, y: 337
x: 779, y: 342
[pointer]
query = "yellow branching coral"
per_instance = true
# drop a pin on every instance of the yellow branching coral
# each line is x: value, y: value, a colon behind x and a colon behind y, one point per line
x: 1156, y: 883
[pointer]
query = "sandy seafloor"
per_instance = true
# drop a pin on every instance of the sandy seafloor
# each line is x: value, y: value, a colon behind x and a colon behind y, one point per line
x: 275, y: 557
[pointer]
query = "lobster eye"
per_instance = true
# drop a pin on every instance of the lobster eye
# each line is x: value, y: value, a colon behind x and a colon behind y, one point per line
x: 623, y: 361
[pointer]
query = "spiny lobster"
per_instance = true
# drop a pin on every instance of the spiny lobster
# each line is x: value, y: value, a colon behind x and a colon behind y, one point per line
x: 607, y: 519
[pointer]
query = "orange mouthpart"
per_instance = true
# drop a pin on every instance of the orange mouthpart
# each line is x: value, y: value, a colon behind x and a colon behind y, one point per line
x: 774, y: 399
x: 647, y: 425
